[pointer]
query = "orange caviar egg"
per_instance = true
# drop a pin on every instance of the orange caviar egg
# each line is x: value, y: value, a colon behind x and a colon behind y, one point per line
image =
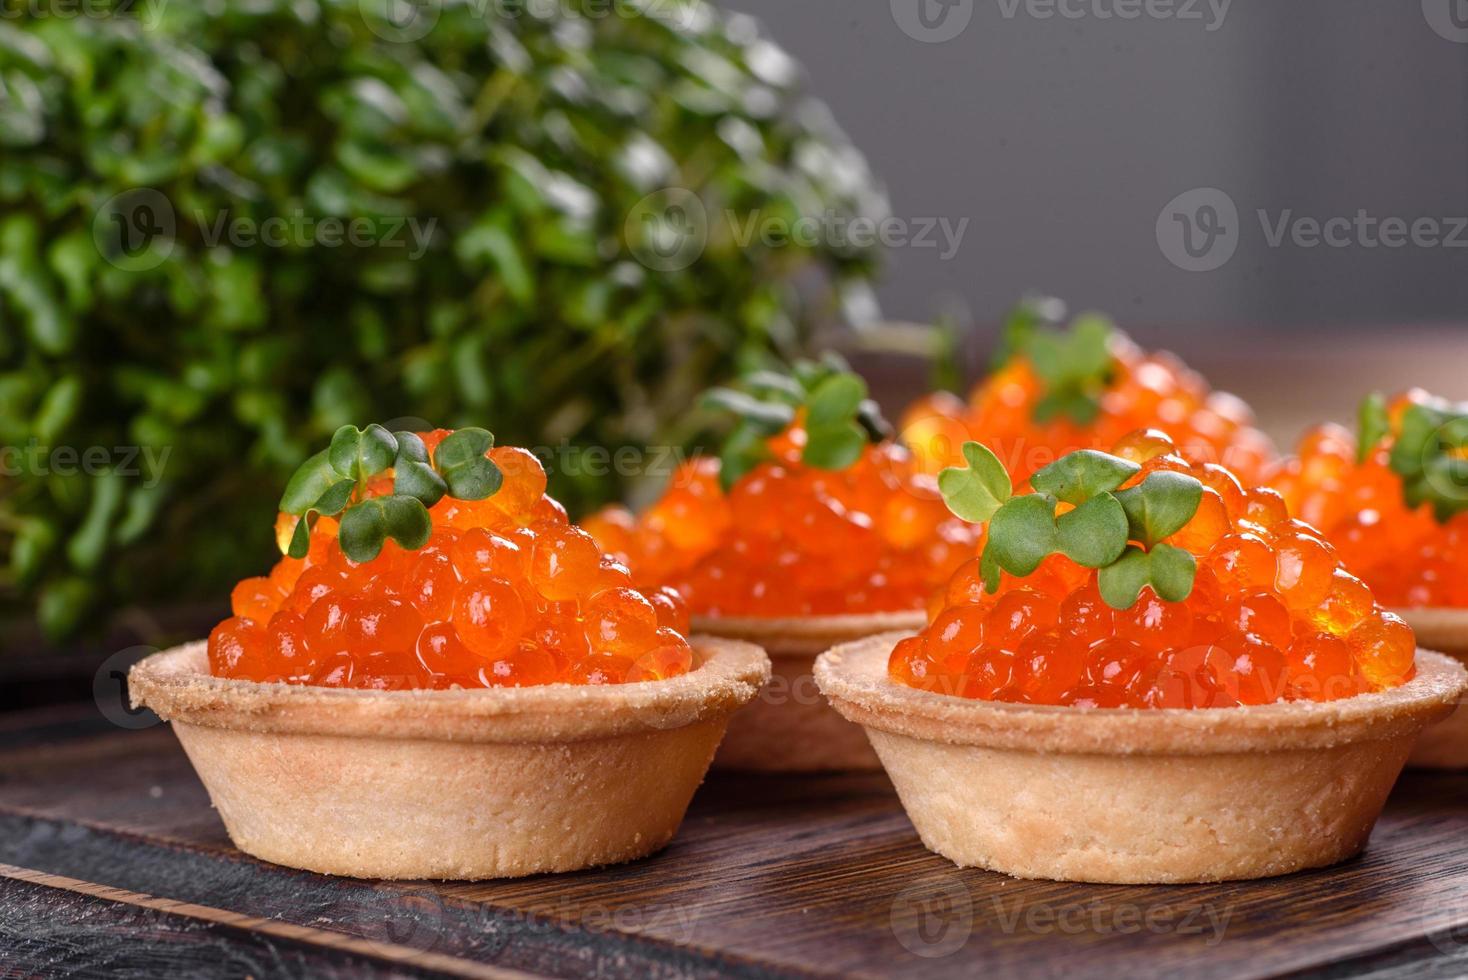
x: 505, y: 593
x: 1405, y: 554
x: 1272, y: 615
x: 791, y: 540
x: 1143, y: 392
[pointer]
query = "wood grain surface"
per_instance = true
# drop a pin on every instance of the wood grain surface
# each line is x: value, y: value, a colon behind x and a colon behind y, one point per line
x: 112, y: 862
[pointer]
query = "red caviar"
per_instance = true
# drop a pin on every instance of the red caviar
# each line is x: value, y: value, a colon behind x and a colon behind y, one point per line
x: 506, y: 593
x: 1405, y: 554
x: 789, y: 539
x: 1272, y: 616
x: 1145, y: 390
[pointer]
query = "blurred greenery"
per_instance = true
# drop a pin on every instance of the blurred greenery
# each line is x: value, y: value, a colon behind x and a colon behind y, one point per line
x: 141, y: 142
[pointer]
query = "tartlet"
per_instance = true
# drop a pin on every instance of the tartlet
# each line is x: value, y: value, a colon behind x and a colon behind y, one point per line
x: 1150, y: 675
x: 1391, y: 498
x: 789, y: 727
x: 452, y: 784
x: 1445, y: 744
x: 1137, y: 797
x: 810, y: 527
x: 443, y: 677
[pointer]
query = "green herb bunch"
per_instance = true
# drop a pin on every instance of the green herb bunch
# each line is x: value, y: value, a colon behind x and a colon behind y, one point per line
x: 1428, y: 450
x: 338, y: 482
x: 1119, y: 532
x: 1074, y: 361
x: 826, y: 396
x: 507, y: 159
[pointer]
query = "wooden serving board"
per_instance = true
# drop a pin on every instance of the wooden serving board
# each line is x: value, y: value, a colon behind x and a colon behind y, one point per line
x: 112, y: 862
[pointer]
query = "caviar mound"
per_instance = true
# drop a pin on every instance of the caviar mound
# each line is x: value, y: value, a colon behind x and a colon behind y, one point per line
x: 1272, y: 615
x: 790, y: 539
x: 1015, y: 412
x: 504, y: 593
x: 1409, y: 554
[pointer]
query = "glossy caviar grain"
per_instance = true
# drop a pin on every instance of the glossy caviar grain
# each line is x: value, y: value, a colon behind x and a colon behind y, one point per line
x: 1404, y: 554
x: 1147, y: 391
x: 1273, y: 615
x: 506, y: 593
x: 791, y: 540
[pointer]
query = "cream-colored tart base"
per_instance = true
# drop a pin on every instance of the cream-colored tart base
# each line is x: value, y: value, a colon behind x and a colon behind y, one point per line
x: 450, y: 784
x: 1127, y: 796
x: 790, y: 727
x: 1444, y: 745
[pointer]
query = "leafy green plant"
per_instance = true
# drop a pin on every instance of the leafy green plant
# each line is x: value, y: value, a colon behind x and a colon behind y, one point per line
x: 1074, y: 361
x: 1120, y: 532
x: 1429, y: 450
x: 840, y: 420
x: 337, y: 481
x: 169, y: 176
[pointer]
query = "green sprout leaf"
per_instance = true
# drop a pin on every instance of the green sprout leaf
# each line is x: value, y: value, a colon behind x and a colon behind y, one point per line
x: 833, y: 446
x: 835, y: 399
x: 1160, y: 505
x: 361, y: 454
x: 312, y: 479
x: 419, y: 480
x: 1076, y: 477
x: 782, y: 386
x: 368, y: 525
x: 1022, y: 533
x: 769, y: 417
x: 1094, y: 534
x: 1173, y: 572
x: 840, y: 420
x: 1430, y: 454
x: 336, y: 498
x: 974, y: 492
x: 1373, y: 425
x: 300, y: 544
x: 467, y: 472
x: 1075, y: 363
x: 743, y: 451
x: 1168, y: 570
x: 410, y: 448
x: 1120, y: 583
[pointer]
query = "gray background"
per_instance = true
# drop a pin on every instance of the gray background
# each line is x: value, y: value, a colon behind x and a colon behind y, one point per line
x: 1062, y: 139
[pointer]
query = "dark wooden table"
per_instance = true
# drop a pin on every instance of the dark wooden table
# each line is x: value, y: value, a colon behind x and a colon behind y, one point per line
x: 112, y: 863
